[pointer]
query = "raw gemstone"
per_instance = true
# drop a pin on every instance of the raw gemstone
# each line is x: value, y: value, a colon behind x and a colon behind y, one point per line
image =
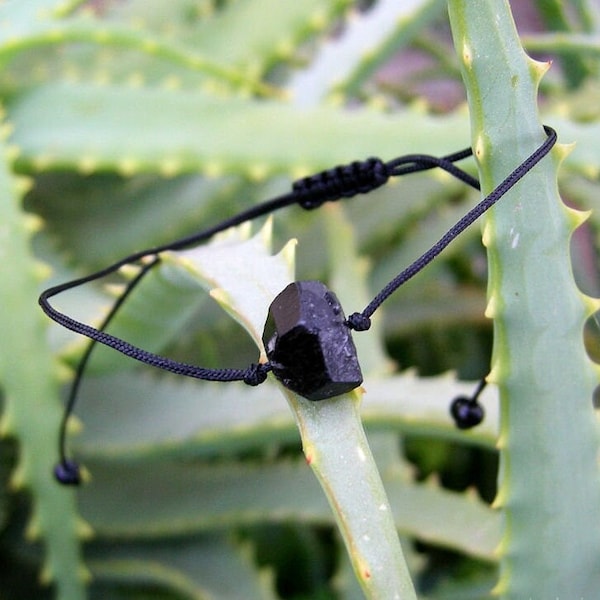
x: 308, y: 343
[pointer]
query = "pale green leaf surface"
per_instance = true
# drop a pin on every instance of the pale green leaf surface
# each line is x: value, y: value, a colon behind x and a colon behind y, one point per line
x: 551, y: 537
x: 195, y: 131
x: 137, y: 416
x: 164, y: 499
x: 238, y: 32
x: 25, y: 34
x: 369, y: 38
x: 348, y: 279
x: 155, y: 313
x: 98, y: 220
x: 242, y: 276
x: 201, y: 568
x: 32, y: 411
x: 336, y: 448
x: 245, y: 279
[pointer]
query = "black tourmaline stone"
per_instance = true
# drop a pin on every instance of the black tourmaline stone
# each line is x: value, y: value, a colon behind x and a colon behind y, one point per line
x: 308, y: 343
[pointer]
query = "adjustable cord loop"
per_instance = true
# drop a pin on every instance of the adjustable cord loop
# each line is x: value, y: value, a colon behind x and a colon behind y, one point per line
x: 361, y: 177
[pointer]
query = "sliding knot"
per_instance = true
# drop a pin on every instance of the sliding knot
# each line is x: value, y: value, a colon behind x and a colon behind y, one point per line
x: 256, y: 374
x: 359, y: 177
x: 358, y: 322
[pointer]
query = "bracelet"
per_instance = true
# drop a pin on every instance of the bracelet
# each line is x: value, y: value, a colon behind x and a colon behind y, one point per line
x: 307, y: 337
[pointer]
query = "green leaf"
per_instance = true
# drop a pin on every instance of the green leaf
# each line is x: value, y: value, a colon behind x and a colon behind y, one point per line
x: 190, y: 498
x: 106, y: 127
x: 210, y: 566
x: 32, y: 410
x: 549, y: 485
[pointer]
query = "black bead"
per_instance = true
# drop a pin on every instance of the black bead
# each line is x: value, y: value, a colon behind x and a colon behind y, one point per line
x: 466, y: 412
x: 67, y: 472
x: 308, y: 343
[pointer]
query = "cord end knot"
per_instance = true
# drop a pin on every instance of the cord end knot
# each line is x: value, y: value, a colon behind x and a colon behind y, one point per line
x: 466, y: 411
x: 67, y: 472
x: 358, y: 322
x: 256, y: 373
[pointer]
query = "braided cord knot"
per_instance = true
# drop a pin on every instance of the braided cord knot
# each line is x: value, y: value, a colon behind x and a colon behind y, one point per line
x: 358, y: 322
x: 256, y: 374
x: 358, y: 177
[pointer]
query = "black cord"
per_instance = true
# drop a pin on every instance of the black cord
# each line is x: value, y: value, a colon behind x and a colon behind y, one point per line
x: 309, y: 192
x: 361, y: 321
x: 346, y: 181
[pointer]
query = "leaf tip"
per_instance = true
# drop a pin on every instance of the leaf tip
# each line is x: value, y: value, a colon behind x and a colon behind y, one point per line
x: 500, y: 499
x: 12, y: 152
x: 87, y: 164
x: 494, y: 376
x: 576, y: 217
x: 213, y: 169
x: 539, y: 68
x: 591, y: 304
x: 288, y: 253
x: 84, y: 530
x: 562, y: 150
x: 128, y: 166
x: 170, y: 167
x: 492, y: 308
x: 501, y: 587
x: 258, y: 172
x: 17, y: 478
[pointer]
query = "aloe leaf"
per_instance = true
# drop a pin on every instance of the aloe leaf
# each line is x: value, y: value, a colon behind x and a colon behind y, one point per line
x: 256, y: 49
x: 379, y: 567
x: 348, y: 279
x: 204, y: 567
x: 106, y: 127
x: 575, y: 67
x: 245, y: 287
x: 159, y: 500
x: 32, y: 409
x: 549, y: 482
x: 97, y: 220
x: 198, y: 132
x: 30, y: 32
x: 569, y: 43
x: 210, y: 419
x: 347, y: 61
x: 336, y: 448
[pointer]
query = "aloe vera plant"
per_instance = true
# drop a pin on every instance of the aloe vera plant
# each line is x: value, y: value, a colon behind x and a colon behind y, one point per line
x: 126, y: 124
